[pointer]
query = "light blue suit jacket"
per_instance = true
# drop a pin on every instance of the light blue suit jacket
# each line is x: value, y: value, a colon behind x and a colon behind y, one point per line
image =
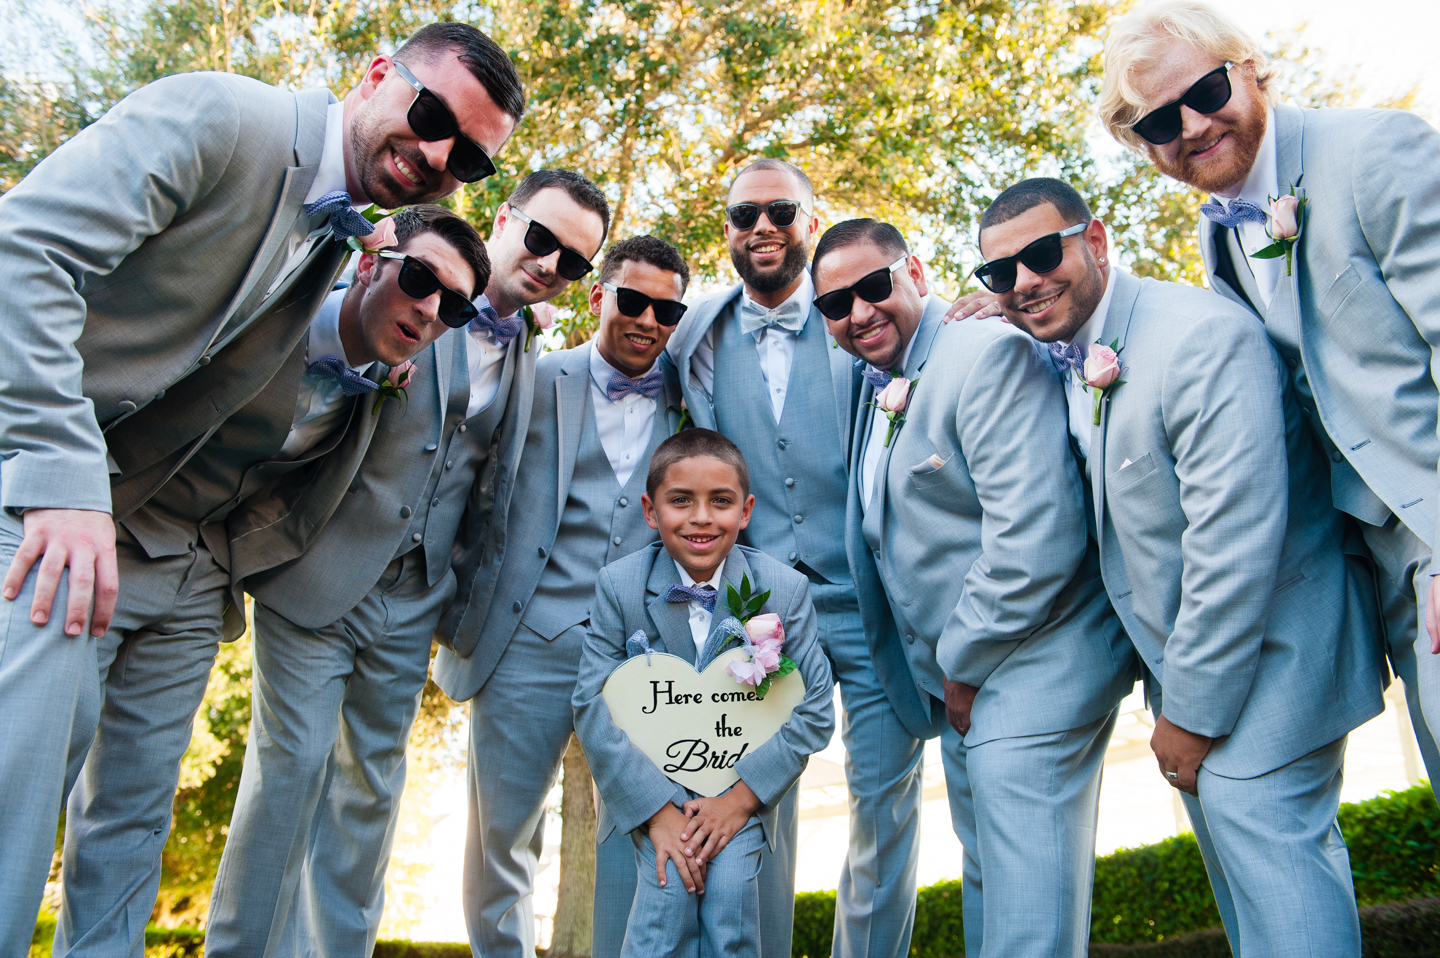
x: 1219, y: 545
x: 477, y: 635
x: 991, y: 575
x: 1363, y: 303
x: 130, y: 255
x: 630, y: 597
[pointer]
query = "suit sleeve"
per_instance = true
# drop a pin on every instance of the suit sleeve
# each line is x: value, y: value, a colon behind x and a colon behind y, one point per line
x: 1397, y: 199
x: 69, y: 224
x: 1223, y: 413
x: 631, y: 785
x: 1012, y: 424
x: 772, y: 768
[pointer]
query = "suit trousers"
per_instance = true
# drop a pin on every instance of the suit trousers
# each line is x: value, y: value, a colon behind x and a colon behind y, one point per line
x: 154, y: 666
x: 520, y: 725
x: 304, y: 866
x: 1276, y: 858
x: 1024, y: 810
x: 670, y: 922
x: 1402, y: 562
x: 48, y: 693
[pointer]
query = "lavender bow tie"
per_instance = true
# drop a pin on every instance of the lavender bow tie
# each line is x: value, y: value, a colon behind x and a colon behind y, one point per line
x: 334, y: 368
x: 1067, y: 356
x: 621, y: 385
x: 1239, y: 211
x: 692, y: 593
x: 503, y: 330
x: 344, y: 222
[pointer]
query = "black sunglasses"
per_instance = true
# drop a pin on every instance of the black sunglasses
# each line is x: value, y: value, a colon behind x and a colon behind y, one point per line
x: 542, y: 242
x: 432, y: 120
x: 1206, y: 95
x: 633, y: 303
x: 419, y: 281
x: 1041, y: 256
x: 744, y: 216
x: 872, y: 287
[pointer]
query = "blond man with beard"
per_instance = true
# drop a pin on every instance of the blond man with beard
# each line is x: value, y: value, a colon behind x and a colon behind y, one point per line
x: 1353, y: 307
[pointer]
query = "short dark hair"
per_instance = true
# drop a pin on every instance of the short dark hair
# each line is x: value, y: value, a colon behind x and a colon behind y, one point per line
x: 691, y: 444
x: 1028, y: 194
x: 770, y: 163
x: 429, y: 218
x: 851, y: 232
x: 644, y: 249
x: 578, y: 187
x: 486, y: 61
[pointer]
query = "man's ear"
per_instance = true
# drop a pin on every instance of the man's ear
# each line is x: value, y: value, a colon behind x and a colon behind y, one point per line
x: 378, y: 69
x: 917, y: 275
x: 366, y: 268
x: 597, y: 298
x: 1098, y: 241
x: 502, y: 216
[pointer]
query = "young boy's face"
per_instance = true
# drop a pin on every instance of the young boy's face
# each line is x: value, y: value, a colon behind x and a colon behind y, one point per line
x: 699, y: 510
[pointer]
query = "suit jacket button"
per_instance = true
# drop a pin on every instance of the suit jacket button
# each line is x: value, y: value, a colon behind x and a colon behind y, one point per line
x: 203, y: 360
x: 404, y: 512
x: 431, y: 447
x: 624, y: 501
x: 1336, y: 456
x: 789, y: 481
x: 462, y: 427
x: 416, y: 537
x: 909, y: 638
x: 782, y: 443
x: 450, y: 464
x: 515, y: 608
x: 542, y: 552
x: 617, y: 540
x: 355, y: 487
x: 794, y: 556
x: 798, y: 518
x: 127, y: 406
x: 160, y: 394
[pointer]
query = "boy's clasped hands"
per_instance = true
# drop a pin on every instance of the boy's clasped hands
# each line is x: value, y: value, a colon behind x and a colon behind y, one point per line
x: 700, y: 832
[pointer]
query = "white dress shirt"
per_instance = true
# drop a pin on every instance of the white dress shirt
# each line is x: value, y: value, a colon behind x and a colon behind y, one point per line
x: 487, y: 361
x: 1259, y: 186
x: 775, y: 345
x: 1077, y: 396
x: 875, y: 441
x: 699, y: 617
x: 624, y: 426
x: 321, y: 406
x: 330, y: 176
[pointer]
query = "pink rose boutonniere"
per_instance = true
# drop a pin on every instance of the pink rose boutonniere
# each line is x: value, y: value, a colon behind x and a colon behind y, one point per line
x: 538, y: 318
x: 383, y: 236
x: 1102, y: 372
x: 761, y: 636
x: 394, y: 384
x: 892, y: 401
x: 1283, y: 226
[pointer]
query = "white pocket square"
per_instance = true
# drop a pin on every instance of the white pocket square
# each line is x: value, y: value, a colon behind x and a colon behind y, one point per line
x: 1127, y: 463
x: 933, y: 463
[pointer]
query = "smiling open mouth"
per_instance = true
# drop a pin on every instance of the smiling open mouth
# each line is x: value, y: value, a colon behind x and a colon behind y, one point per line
x: 1041, y: 306
x: 406, y: 169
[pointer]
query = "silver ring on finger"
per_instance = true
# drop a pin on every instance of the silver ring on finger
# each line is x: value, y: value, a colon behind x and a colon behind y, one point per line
x: 1173, y: 776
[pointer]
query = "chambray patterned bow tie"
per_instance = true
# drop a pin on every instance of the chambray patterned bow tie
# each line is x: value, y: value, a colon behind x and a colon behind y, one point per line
x: 1068, y: 356
x: 621, y: 385
x: 788, y: 315
x: 334, y: 368
x: 878, y: 378
x: 344, y: 221
x: 1240, y: 211
x: 692, y: 593
x: 489, y: 321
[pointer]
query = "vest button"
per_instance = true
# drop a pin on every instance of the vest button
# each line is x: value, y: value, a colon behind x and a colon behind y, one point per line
x: 404, y: 512
x: 203, y: 360
x: 798, y: 518
x: 516, y: 608
x: 1336, y: 456
x: 794, y: 556
x: 434, y: 503
x: 416, y: 537
x: 542, y: 552
x: 462, y: 427
x: 789, y: 481
x: 450, y: 464
x: 127, y: 406
x: 355, y: 487
x: 624, y: 501
x: 617, y: 540
x: 782, y: 443
x: 431, y: 447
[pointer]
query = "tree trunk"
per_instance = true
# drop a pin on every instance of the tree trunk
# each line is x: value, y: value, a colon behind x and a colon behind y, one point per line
x: 574, y: 911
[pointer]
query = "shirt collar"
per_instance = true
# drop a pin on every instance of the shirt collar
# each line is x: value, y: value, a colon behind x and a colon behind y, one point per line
x: 325, y: 333
x: 1264, y: 179
x: 714, y: 581
x: 1095, y: 325
x: 330, y: 176
x: 601, y: 371
x: 804, y: 294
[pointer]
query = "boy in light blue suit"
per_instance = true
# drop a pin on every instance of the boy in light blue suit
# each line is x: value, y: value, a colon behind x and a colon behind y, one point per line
x: 663, y: 598
x: 1224, y: 558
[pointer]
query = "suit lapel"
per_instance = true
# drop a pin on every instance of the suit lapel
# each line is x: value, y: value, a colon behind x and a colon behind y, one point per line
x: 701, y: 413
x: 1115, y: 330
x: 672, y: 619
x: 843, y: 379
x: 570, y: 388
x: 736, y: 569
x: 445, y: 357
x: 930, y: 322
x: 1284, y: 311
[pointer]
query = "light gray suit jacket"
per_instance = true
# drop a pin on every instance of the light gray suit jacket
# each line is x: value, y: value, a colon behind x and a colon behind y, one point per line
x: 845, y: 382
x: 990, y: 572
x: 312, y: 547
x: 630, y: 597
x: 132, y: 253
x: 1219, y: 545
x: 1363, y: 303
x: 477, y: 635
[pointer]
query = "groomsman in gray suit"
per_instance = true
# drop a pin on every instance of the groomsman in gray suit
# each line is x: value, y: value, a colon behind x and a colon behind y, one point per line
x: 757, y: 366
x: 202, y: 213
x: 969, y: 499
x: 1224, y: 558
x: 345, y: 616
x: 600, y: 410
x: 1353, y: 307
x: 306, y: 429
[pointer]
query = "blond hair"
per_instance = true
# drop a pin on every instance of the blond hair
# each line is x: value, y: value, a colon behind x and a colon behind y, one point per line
x: 1138, y: 41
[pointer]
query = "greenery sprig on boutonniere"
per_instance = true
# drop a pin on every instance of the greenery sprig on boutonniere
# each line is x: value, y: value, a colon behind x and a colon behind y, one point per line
x: 393, y: 385
x: 892, y: 401
x: 684, y: 412
x: 383, y: 236
x: 1282, y: 225
x: 538, y: 318
x: 761, y: 636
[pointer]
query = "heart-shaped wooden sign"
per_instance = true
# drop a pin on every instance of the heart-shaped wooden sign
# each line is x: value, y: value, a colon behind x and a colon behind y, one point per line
x: 696, y: 726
